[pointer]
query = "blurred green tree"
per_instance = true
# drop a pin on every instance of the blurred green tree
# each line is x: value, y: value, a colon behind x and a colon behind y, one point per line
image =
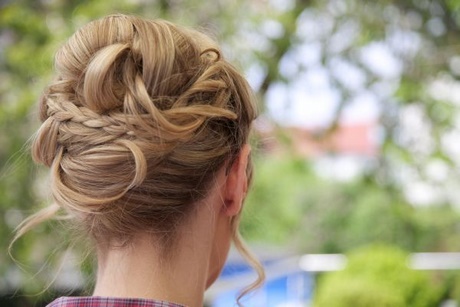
x: 400, y: 55
x: 377, y: 275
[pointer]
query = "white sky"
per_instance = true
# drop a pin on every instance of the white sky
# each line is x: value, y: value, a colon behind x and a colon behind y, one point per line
x: 311, y: 98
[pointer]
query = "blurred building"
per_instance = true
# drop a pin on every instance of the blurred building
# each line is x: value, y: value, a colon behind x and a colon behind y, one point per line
x: 341, y: 152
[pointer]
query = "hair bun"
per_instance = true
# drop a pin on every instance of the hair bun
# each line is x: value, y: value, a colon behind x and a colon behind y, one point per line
x: 141, y: 117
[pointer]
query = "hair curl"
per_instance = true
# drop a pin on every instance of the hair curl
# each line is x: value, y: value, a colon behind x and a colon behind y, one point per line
x: 142, y: 115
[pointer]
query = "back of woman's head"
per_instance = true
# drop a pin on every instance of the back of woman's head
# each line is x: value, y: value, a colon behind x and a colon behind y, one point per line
x: 141, y: 116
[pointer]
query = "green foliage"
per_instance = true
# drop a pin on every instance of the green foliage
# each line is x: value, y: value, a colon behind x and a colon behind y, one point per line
x: 351, y: 215
x: 274, y: 209
x: 376, y: 276
x: 452, y: 285
x: 345, y: 292
x: 289, y: 205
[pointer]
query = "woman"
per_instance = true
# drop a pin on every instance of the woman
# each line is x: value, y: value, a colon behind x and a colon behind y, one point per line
x: 145, y: 130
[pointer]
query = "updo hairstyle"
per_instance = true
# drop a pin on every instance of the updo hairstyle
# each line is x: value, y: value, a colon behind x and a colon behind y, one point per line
x: 140, y: 118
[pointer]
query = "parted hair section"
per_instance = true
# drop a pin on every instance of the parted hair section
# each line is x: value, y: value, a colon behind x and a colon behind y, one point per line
x: 141, y: 116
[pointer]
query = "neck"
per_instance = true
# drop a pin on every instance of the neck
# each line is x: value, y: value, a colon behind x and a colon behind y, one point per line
x: 139, y: 270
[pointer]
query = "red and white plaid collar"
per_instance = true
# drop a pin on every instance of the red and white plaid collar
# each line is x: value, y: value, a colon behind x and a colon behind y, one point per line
x: 97, y: 301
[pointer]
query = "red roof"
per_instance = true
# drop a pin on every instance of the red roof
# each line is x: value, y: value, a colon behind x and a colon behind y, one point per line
x: 359, y: 139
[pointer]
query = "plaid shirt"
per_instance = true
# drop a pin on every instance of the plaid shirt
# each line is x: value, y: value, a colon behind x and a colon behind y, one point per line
x: 97, y: 301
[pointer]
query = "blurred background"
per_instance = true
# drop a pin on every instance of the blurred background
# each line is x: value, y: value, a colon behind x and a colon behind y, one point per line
x: 356, y: 196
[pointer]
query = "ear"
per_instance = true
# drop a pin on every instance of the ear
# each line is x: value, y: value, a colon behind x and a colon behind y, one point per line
x: 236, y: 185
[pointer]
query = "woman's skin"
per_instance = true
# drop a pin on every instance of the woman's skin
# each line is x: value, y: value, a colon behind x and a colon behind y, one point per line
x: 203, y: 241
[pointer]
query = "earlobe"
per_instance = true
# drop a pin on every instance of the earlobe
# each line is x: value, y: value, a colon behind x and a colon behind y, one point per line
x: 237, y: 183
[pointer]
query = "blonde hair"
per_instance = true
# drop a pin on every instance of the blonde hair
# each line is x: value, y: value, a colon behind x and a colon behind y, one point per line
x: 142, y: 115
